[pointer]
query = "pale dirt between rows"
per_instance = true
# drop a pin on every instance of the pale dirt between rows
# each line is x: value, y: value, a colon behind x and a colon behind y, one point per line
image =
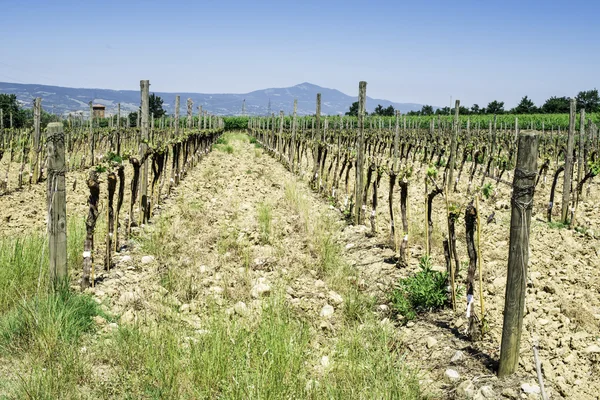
x: 214, y: 211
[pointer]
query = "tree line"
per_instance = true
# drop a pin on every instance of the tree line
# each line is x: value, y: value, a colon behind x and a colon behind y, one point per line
x: 588, y: 99
x: 23, y: 117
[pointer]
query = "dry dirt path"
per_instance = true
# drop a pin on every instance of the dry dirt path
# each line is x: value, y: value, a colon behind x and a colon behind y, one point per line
x: 241, y: 230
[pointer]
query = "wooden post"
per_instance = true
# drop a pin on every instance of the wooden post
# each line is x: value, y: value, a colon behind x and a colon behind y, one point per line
x: 360, y: 150
x: 450, y: 166
x: 518, y: 256
x: 37, y: 116
x: 566, y: 195
x: 57, y: 204
x: 317, y: 142
x: 190, y: 108
x: 91, y: 135
x: 118, y: 129
x: 293, y: 142
x: 144, y: 204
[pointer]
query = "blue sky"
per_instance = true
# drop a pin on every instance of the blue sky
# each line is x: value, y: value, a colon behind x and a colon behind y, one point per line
x: 422, y: 52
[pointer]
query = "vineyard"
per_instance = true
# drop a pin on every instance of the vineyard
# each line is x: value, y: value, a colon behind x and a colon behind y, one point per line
x: 199, y: 256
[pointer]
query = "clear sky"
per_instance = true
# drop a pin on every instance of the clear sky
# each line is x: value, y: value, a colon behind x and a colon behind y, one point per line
x: 418, y: 51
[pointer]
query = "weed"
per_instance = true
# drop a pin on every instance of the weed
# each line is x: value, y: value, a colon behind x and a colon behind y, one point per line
x: 424, y: 291
x: 265, y: 218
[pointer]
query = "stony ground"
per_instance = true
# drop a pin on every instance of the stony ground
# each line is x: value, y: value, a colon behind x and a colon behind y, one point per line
x: 212, y: 244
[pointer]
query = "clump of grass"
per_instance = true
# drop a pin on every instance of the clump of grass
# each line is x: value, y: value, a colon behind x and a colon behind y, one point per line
x: 24, y: 260
x: 369, y: 365
x: 45, y: 322
x: 357, y: 306
x: 221, y: 140
x: 424, y: 291
x: 232, y: 358
x: 265, y: 218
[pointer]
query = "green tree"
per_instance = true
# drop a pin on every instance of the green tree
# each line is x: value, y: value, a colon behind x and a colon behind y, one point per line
x: 525, y: 106
x: 475, y: 109
x: 427, y: 110
x: 589, y: 99
x: 443, y: 111
x: 133, y: 116
x: 495, y: 107
x: 353, y: 109
x: 9, y: 104
x: 385, y: 112
x: 556, y: 105
x: 156, y: 106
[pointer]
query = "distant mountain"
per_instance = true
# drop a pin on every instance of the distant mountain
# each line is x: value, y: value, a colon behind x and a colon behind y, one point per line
x: 64, y: 100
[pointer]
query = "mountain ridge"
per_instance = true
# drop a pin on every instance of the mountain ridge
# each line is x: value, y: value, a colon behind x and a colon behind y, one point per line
x: 65, y: 100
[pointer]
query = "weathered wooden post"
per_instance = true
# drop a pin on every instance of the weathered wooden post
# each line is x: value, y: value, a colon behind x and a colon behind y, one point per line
x: 317, y: 142
x: 518, y: 256
x: 119, y: 129
x: 566, y: 195
x: 145, y: 113
x: 190, y: 108
x: 450, y: 166
x: 91, y: 135
x: 360, y: 150
x: 293, y: 142
x: 57, y: 204
x: 37, y: 116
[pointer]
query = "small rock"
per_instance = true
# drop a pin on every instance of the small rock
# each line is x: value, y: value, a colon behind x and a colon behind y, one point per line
x: 260, y: 289
x: 410, y: 324
x: 543, y: 322
x: 431, y: 342
x: 459, y: 322
x: 592, y: 349
x: 126, y: 298
x: 325, y: 361
x: 319, y: 283
x: 111, y: 327
x: 458, y: 357
x: 147, y: 260
x: 335, y: 298
x: 487, y: 392
x: 128, y: 317
x: 383, y: 308
x: 126, y: 259
x: 240, y: 308
x: 466, y: 390
x: 509, y: 393
x: 99, y: 320
x: 570, y: 359
x: 452, y: 375
x: 528, y: 388
x: 184, y: 308
x: 202, y: 269
x: 349, y: 246
x: 327, y: 311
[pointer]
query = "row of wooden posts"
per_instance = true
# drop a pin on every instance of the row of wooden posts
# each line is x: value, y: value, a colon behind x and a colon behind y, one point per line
x: 522, y: 201
x: 56, y: 199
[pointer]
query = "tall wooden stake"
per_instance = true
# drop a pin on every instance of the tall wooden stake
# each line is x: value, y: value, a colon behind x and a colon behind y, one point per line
x: 360, y: 150
x: 57, y: 204
x: 518, y: 256
x: 145, y: 109
x: 566, y: 195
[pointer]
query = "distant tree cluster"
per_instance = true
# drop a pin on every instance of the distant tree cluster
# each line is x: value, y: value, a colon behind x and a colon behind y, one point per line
x: 21, y: 117
x: 588, y: 99
x: 379, y: 110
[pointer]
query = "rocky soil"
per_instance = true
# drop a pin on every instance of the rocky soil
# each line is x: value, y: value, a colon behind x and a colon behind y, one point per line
x: 208, y: 247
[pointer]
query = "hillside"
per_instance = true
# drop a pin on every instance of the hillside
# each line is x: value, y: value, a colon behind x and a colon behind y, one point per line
x: 63, y: 100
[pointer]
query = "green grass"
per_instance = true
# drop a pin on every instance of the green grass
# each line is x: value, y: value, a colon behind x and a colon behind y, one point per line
x: 265, y: 219
x: 24, y: 260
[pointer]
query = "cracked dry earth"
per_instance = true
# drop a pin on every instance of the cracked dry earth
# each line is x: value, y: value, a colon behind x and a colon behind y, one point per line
x: 209, y: 247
